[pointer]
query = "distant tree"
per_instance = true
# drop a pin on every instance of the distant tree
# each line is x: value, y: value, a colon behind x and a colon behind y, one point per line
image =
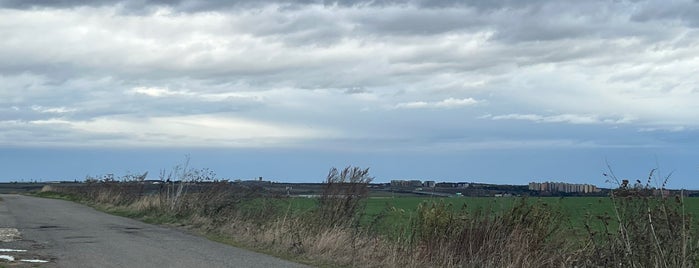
x: 90, y: 179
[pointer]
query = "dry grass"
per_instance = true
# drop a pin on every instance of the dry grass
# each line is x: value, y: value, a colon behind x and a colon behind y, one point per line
x: 525, y: 236
x: 646, y: 231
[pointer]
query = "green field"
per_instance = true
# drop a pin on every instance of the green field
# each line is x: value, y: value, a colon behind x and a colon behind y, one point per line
x: 396, y: 212
x: 456, y: 231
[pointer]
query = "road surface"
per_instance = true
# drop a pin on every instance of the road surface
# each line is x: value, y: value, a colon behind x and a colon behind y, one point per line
x: 66, y: 234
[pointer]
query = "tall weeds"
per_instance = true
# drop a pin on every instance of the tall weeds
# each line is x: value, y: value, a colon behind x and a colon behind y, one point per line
x: 343, y: 193
x: 644, y: 230
x: 648, y: 229
x: 523, y: 236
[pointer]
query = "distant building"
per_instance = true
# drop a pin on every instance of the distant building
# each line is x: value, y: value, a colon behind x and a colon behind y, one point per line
x: 561, y: 187
x: 503, y: 195
x: 406, y: 183
x: 447, y: 185
x: 429, y: 184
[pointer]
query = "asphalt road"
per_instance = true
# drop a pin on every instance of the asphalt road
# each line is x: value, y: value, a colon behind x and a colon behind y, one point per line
x: 67, y: 234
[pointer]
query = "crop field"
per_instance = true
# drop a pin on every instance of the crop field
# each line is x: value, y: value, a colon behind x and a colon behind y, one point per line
x: 397, y: 212
x: 574, y: 210
x: 347, y: 226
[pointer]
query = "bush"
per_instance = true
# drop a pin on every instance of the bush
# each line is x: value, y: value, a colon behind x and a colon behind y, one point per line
x: 343, y: 193
x: 648, y: 229
x: 524, y: 236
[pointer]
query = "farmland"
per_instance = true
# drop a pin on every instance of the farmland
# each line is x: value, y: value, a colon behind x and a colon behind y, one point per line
x: 345, y: 223
x: 398, y: 211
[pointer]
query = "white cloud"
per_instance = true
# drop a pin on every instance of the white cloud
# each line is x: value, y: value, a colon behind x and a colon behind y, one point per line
x: 561, y: 118
x: 158, y: 92
x: 175, y: 131
x: 340, y: 67
x: 446, y: 103
x: 667, y: 129
x: 52, y: 121
x: 50, y: 110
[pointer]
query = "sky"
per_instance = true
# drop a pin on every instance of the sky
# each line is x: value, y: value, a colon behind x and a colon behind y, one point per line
x: 494, y: 91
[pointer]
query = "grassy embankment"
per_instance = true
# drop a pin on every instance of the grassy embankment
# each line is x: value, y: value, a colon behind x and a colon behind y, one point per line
x: 345, y: 228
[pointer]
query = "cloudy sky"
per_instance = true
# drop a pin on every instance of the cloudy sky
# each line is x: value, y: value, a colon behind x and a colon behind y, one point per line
x: 493, y: 91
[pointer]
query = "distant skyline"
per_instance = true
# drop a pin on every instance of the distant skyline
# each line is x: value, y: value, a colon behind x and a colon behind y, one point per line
x: 488, y: 91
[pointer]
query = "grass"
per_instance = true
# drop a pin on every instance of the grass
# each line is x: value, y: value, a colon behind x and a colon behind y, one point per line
x: 576, y: 209
x: 399, y: 210
x: 586, y: 222
x: 58, y: 195
x: 346, y: 228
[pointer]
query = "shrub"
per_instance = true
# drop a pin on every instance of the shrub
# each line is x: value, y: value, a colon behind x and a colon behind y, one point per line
x: 343, y: 193
x: 525, y: 235
x: 648, y: 229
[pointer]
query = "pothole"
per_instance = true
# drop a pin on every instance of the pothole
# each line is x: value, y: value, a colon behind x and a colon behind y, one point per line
x: 9, y: 234
x: 7, y: 258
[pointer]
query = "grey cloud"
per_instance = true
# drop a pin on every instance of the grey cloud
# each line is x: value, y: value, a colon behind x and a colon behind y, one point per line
x: 137, y: 6
x: 89, y: 98
x: 298, y: 27
x: 186, y: 106
x: 577, y: 20
x: 416, y: 21
x: 522, y: 21
x: 35, y: 134
x: 21, y: 4
x: 319, y: 61
x: 356, y: 90
x: 217, y: 5
x: 8, y: 114
x: 512, y: 21
x: 685, y: 11
x: 546, y: 23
